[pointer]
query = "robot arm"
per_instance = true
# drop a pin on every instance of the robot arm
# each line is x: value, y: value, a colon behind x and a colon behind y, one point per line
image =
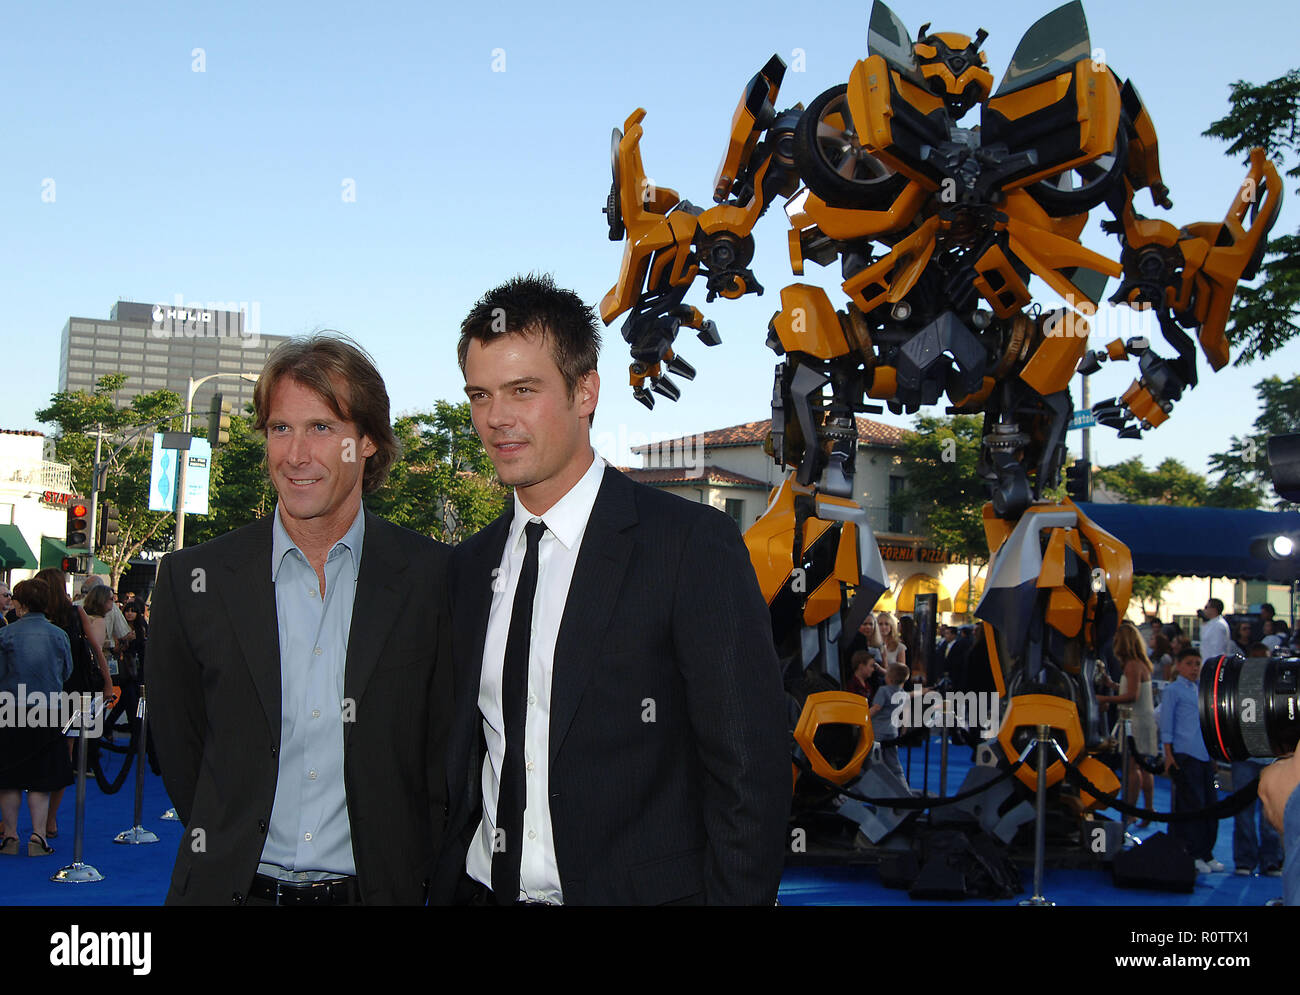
x: 671, y: 242
x: 1188, y: 277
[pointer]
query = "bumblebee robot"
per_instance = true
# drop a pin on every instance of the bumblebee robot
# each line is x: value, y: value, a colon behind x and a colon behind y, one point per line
x: 938, y: 223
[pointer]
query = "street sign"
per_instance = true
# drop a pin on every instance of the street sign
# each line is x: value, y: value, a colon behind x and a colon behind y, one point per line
x: 162, y: 476
x: 1083, y: 419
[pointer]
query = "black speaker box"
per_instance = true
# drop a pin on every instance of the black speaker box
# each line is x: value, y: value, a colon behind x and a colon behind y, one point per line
x: 1161, y: 862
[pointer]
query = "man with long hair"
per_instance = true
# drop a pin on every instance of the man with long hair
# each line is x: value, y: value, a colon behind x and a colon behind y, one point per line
x: 297, y: 666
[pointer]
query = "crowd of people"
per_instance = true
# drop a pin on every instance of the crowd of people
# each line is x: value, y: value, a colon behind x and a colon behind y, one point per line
x: 1153, y: 672
x: 45, y: 636
x: 51, y: 644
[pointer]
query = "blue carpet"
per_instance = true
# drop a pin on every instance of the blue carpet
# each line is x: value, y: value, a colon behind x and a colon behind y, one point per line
x: 133, y: 874
x: 138, y: 875
x: 860, y: 885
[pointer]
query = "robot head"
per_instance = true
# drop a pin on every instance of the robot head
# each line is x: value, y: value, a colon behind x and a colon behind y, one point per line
x: 953, y: 67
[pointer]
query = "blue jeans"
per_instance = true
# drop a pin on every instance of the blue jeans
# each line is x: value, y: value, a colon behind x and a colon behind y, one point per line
x: 1248, y: 850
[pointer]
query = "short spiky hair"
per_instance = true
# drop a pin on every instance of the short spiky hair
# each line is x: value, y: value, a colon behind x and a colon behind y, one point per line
x: 533, y: 305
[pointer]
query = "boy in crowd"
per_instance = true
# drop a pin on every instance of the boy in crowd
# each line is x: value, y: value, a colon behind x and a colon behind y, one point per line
x: 884, y: 707
x: 1188, y: 762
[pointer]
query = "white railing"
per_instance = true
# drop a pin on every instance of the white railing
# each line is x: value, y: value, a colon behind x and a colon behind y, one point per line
x: 43, y: 475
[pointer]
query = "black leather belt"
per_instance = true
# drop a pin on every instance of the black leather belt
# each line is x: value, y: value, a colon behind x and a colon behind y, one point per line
x: 338, y: 891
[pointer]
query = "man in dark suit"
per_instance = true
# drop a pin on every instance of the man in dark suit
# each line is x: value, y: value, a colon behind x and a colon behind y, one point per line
x: 299, y: 667
x: 619, y: 734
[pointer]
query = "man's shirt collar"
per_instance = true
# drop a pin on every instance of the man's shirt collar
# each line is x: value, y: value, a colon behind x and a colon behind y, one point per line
x: 352, y: 540
x: 567, y: 518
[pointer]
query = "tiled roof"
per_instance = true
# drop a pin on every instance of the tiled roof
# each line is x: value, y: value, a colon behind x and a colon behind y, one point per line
x: 754, y: 432
x: 705, y: 476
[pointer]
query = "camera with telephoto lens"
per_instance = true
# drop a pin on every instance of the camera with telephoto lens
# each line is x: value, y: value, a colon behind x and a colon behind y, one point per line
x: 1250, y: 707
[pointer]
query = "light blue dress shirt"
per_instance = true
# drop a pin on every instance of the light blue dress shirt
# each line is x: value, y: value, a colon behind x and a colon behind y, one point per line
x: 309, y: 837
x: 1180, y: 719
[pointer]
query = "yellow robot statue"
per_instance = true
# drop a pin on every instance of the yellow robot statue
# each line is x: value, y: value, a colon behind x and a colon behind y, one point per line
x: 938, y: 227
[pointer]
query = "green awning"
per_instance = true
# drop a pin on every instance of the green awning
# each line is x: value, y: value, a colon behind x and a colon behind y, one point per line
x: 54, y: 550
x: 15, y: 554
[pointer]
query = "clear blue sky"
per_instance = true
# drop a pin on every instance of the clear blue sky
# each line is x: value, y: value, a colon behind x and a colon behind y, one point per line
x: 226, y: 184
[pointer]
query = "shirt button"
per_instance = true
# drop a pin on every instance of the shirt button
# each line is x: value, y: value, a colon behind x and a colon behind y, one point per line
x: 317, y: 651
x: 315, y: 713
x: 306, y: 837
x: 311, y: 775
x: 530, y: 765
x: 532, y: 699
x: 532, y: 835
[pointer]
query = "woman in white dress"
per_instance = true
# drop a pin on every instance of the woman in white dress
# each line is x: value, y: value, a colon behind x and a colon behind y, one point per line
x: 1135, y: 687
x: 891, y: 647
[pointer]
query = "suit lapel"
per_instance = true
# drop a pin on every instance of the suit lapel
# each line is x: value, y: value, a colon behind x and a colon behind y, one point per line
x: 378, y: 600
x: 475, y: 564
x: 258, y: 628
x: 593, y: 594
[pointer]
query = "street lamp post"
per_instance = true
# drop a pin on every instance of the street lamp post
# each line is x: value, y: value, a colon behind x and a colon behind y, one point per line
x: 183, y: 455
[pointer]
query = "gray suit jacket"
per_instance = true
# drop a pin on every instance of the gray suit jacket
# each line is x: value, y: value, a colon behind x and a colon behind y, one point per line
x: 214, y: 693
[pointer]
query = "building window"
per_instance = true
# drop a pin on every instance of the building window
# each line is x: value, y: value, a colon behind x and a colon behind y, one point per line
x: 896, y: 518
x: 736, y: 509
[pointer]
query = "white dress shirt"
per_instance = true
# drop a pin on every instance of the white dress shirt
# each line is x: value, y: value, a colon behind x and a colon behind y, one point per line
x: 1215, y: 638
x: 557, y: 554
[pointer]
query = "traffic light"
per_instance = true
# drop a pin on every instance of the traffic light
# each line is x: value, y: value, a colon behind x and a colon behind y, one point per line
x: 1078, y: 481
x: 108, y: 525
x: 78, y: 525
x: 219, y: 421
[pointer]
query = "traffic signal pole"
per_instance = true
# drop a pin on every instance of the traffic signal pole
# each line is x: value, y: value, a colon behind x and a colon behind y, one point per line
x: 94, y: 500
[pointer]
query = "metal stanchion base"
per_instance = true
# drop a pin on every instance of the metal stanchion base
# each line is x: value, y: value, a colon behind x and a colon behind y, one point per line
x: 77, y: 873
x: 1038, y: 900
x: 136, y: 834
x: 170, y: 816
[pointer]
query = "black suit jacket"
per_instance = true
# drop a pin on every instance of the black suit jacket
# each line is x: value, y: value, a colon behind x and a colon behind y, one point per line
x: 214, y: 691
x: 669, y: 763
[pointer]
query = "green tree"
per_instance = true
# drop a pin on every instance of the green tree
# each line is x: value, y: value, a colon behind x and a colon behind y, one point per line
x: 1267, y: 115
x: 1245, y: 464
x: 444, y: 485
x: 77, y: 413
x: 1172, y: 483
x: 1147, y: 587
x: 942, y: 484
x: 240, y: 491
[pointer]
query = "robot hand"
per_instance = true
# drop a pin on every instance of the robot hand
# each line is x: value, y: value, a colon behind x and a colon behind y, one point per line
x: 651, y: 336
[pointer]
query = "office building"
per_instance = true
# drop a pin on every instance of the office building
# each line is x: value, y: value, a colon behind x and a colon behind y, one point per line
x: 161, y: 346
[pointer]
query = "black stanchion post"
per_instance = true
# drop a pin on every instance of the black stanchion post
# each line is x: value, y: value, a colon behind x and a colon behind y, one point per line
x: 943, y: 746
x: 79, y: 872
x: 137, y: 833
x: 1040, y: 823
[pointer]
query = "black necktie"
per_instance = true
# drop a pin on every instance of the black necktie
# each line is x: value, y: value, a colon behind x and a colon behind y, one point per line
x: 508, y: 846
